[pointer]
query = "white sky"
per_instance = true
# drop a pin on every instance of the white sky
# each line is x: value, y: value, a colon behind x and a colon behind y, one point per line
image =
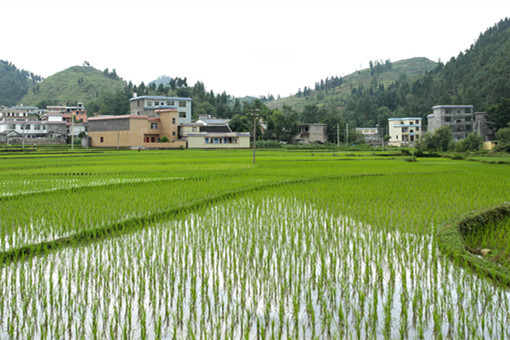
x: 243, y: 47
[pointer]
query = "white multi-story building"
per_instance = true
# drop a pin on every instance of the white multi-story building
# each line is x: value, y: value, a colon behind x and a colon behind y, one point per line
x: 404, y: 131
x: 147, y: 106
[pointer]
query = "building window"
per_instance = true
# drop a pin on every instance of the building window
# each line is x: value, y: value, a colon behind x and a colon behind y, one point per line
x: 468, y: 119
x: 447, y: 119
x: 182, y: 114
x: 154, y: 126
x: 156, y: 103
x: 207, y: 141
x: 170, y: 102
x: 101, y: 139
x: 468, y: 110
x: 37, y: 127
x: 417, y: 128
x: 173, y: 121
x: 173, y: 133
x: 182, y: 104
x: 153, y: 139
x: 149, y: 103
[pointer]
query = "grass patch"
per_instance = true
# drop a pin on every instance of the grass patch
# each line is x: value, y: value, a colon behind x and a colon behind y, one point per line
x: 464, y: 239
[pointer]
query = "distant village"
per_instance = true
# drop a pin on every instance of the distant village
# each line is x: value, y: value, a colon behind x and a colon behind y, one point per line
x: 157, y: 122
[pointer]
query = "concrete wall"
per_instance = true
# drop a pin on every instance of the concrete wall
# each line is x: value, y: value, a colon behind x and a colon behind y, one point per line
x: 121, y: 124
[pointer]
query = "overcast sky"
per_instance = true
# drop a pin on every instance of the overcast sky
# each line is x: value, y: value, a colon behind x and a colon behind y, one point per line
x: 243, y: 47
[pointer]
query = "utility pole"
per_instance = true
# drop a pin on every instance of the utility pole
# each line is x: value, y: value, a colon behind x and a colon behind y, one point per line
x: 72, y: 131
x: 382, y: 137
x: 347, y: 133
x: 338, y: 134
x: 255, y: 114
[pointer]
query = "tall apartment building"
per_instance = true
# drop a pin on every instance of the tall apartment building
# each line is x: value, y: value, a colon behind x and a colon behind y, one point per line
x: 404, y: 131
x: 147, y: 106
x: 460, y: 119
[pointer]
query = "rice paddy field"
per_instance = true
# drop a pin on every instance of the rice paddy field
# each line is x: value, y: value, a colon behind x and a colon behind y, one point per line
x: 191, y: 244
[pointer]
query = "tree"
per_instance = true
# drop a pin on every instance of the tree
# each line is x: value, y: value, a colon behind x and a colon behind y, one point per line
x: 472, y: 142
x: 443, y: 138
x: 241, y: 123
x: 503, y: 135
x: 116, y: 103
x: 499, y: 115
x: 282, y: 125
x: 333, y: 121
x: 439, y: 141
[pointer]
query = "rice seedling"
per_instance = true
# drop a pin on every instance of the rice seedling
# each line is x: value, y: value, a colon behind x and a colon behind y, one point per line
x: 295, y: 249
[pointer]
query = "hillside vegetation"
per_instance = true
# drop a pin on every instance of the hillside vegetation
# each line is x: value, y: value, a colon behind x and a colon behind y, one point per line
x: 14, y: 83
x: 335, y: 90
x: 479, y: 76
x: 75, y: 84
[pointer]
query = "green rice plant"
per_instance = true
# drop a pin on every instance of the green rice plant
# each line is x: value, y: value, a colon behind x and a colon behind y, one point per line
x: 296, y: 248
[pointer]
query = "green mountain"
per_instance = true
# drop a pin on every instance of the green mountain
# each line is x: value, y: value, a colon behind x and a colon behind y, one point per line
x: 334, y: 91
x: 75, y: 84
x: 14, y: 83
x: 478, y: 76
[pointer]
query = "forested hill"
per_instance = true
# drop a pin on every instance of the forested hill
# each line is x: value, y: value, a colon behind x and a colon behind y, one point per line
x: 75, y: 84
x: 334, y: 91
x: 480, y: 76
x: 14, y: 83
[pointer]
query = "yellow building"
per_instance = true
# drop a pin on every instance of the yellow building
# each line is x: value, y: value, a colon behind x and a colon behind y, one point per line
x: 136, y: 131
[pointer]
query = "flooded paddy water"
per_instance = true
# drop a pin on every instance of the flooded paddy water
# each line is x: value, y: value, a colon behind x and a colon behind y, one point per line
x: 254, y: 267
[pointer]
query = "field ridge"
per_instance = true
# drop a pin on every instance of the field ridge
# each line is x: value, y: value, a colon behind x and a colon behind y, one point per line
x: 131, y: 224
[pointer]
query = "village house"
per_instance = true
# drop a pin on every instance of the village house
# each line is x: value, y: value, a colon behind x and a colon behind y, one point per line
x: 148, y: 105
x: 213, y: 133
x: 404, y: 131
x: 311, y: 133
x: 26, y: 127
x: 78, y: 112
x: 370, y: 135
x: 74, y: 116
x: 136, y: 131
x: 459, y: 118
